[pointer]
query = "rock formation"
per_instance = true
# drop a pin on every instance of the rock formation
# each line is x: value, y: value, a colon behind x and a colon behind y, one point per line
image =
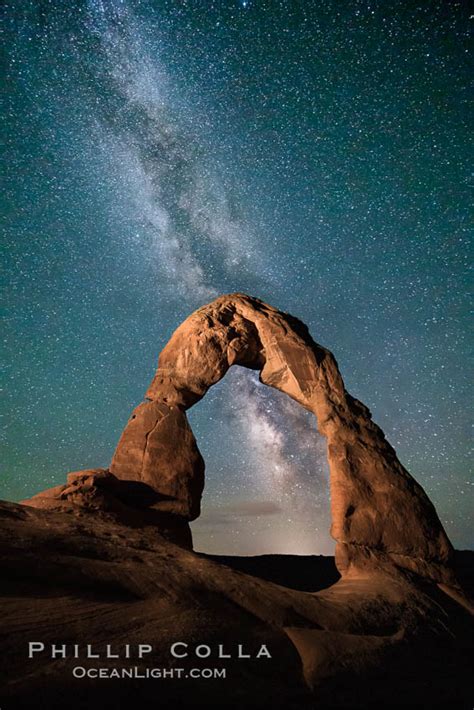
x: 129, y: 502
x: 101, y: 559
x: 380, y: 515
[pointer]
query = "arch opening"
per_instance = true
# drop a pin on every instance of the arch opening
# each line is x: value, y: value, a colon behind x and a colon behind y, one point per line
x: 266, y: 489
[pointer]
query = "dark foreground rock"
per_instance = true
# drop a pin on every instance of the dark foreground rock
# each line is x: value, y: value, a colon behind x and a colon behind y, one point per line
x: 74, y: 576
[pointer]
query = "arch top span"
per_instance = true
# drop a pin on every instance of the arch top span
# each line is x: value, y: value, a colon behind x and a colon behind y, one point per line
x: 380, y: 515
x: 237, y: 330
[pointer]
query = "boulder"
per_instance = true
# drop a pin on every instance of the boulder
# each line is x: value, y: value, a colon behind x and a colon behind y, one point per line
x: 98, y: 492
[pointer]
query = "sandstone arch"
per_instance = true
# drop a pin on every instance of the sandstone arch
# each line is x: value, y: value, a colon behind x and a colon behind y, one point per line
x: 380, y: 515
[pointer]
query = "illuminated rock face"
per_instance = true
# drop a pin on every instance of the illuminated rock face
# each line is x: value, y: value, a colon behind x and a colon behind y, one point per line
x: 158, y: 448
x: 380, y: 515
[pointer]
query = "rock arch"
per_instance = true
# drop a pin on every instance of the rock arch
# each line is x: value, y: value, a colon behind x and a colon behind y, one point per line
x: 380, y: 515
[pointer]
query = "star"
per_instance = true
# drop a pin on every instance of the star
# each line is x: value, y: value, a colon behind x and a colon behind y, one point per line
x: 160, y: 156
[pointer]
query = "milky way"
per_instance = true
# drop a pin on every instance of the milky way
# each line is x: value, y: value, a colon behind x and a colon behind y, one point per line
x: 313, y: 155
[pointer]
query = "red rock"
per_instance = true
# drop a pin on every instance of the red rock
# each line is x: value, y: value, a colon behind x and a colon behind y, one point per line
x: 381, y: 517
x: 380, y: 514
x: 389, y: 624
x: 158, y: 448
x: 99, y: 492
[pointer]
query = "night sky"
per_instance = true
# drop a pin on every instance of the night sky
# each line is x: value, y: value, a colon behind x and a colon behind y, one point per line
x: 312, y: 154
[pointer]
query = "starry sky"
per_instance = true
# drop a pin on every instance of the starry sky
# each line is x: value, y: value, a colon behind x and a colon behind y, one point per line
x: 313, y: 154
